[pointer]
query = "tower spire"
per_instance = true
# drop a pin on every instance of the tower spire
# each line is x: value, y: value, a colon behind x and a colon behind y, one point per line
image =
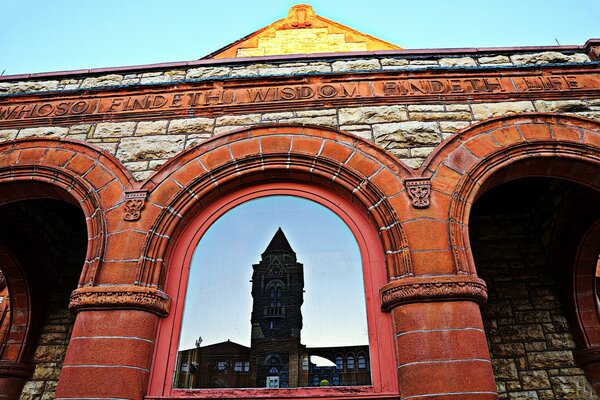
x: 279, y: 243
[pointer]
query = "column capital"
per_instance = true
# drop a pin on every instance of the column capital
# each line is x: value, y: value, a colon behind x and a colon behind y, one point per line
x: 432, y: 288
x: 120, y: 297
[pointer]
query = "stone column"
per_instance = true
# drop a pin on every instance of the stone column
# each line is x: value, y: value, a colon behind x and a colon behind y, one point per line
x: 441, y: 348
x: 12, y: 378
x: 112, y: 344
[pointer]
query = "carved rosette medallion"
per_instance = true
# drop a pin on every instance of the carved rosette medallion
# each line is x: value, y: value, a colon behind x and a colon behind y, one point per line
x: 134, y: 203
x: 439, y: 288
x: 11, y: 369
x: 120, y: 297
x: 419, y: 191
x: 588, y: 356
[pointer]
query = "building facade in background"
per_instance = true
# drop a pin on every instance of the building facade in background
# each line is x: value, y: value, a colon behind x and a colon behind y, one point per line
x: 469, y: 178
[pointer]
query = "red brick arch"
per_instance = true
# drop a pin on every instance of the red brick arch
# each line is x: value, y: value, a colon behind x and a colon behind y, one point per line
x: 80, y: 174
x: 497, y: 151
x: 336, y: 161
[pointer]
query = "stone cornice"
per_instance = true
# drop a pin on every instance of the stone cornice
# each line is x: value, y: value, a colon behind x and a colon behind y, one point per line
x: 9, y: 369
x: 120, y: 297
x: 432, y: 288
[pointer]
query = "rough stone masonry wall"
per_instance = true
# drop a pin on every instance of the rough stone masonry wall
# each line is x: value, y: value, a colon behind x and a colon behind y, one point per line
x: 52, y: 344
x: 411, y: 132
x: 529, y: 337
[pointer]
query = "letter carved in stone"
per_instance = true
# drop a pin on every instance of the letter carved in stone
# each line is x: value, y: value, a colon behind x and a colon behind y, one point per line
x: 134, y: 203
x: 419, y: 191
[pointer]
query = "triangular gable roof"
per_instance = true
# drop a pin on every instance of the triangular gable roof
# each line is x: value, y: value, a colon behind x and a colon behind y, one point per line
x: 279, y: 243
x: 302, y: 32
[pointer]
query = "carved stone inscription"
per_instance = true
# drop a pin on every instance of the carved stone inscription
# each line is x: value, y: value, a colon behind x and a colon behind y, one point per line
x: 211, y: 96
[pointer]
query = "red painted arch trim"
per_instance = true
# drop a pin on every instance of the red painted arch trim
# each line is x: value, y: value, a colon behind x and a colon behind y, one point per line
x: 374, y: 272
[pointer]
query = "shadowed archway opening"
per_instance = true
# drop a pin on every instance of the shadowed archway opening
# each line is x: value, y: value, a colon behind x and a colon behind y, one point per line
x: 43, y: 243
x: 524, y: 236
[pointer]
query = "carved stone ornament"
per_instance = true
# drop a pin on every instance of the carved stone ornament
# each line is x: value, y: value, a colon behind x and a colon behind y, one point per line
x: 11, y: 369
x: 120, y: 297
x: 438, y: 288
x: 588, y: 356
x: 134, y: 202
x: 419, y: 191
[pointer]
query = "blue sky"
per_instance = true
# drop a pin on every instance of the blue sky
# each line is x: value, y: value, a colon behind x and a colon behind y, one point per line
x: 218, y: 303
x: 41, y: 36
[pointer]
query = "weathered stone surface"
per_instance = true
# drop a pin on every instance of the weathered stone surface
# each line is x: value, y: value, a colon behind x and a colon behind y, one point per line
x: 424, y: 62
x: 356, y: 65
x: 102, y: 81
x: 551, y: 359
x: 421, y: 152
x: 426, y: 107
x: 393, y: 63
x: 457, y: 62
x: 561, y: 105
x: 50, y: 353
x: 528, y: 395
x: 548, y: 57
x: 192, y: 125
x: 83, y: 129
x: 501, y: 350
x: 295, y: 69
x: 142, y: 175
x: 458, y: 107
x: 114, y: 129
x: 504, y: 369
x: 149, y: 147
x: 136, y: 166
x: 208, y: 72
x: 372, y: 115
x: 490, y: 110
x: 560, y: 341
x: 196, y: 139
x: 155, y: 164
x: 323, y: 121
x: 32, y: 390
x: 25, y: 87
x: 314, y: 113
x: 47, y: 371
x: 572, y: 387
x: 8, y: 134
x: 535, y: 379
x: 145, y: 128
x: 276, y: 116
x: 414, y: 163
x: 440, y: 116
x: 110, y: 147
x: 453, y: 126
x: 406, y: 134
x: 47, y: 131
x: 494, y: 60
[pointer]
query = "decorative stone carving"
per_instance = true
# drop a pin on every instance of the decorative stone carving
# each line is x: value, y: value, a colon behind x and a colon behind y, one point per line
x: 419, y: 191
x: 120, y: 297
x: 134, y: 203
x: 588, y: 356
x: 11, y: 369
x: 438, y: 288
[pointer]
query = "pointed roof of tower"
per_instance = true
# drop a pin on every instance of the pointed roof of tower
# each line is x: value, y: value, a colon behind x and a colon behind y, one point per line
x: 302, y: 32
x: 279, y: 243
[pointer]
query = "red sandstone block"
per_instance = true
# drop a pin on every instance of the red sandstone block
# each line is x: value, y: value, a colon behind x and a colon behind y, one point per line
x: 507, y: 136
x: 188, y: 172
x: 99, y: 176
x: 446, y: 377
x: 445, y: 180
x: 80, y: 164
x: 363, y: 164
x: 10, y: 351
x: 482, y: 145
x: 164, y: 192
x: 58, y: 157
x: 119, y: 382
x: 426, y: 234
x: 125, y: 350
x: 441, y: 345
x: 437, y: 315
x: 439, y: 206
x: 244, y: 148
x: 433, y: 262
x: 306, y: 145
x: 32, y: 156
x: 276, y: 144
x: 126, y: 245
x: 564, y: 133
x: 535, y: 131
x: 388, y: 183
x: 117, y: 273
x: 133, y: 323
x: 10, y: 157
x: 277, y: 130
x: 336, y: 151
x: 461, y: 159
x: 111, y: 194
x: 591, y: 137
x: 216, y: 158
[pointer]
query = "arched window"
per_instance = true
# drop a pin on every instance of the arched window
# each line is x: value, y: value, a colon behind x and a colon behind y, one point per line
x: 339, y: 363
x: 309, y: 279
x: 362, y: 362
x: 350, y: 363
